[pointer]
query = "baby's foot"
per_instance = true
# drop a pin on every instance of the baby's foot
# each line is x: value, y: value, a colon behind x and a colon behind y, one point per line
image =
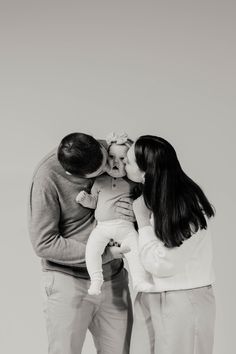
x: 95, y: 287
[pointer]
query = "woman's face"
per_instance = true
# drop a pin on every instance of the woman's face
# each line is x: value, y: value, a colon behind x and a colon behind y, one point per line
x: 133, y: 171
x: 116, y: 156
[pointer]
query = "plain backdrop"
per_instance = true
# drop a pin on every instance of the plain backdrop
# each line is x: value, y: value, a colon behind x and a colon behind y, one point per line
x: 145, y: 67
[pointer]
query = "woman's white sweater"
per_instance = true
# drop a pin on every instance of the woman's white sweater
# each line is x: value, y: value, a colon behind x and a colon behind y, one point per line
x: 185, y: 267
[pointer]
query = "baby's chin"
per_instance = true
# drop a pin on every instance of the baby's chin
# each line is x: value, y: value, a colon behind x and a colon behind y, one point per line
x: 117, y: 173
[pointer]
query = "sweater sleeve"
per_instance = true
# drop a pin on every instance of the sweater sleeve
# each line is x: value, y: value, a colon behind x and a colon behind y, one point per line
x: 44, y: 216
x: 160, y: 260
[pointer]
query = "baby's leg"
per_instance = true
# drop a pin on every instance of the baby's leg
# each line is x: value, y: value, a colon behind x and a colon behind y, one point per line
x: 141, y: 280
x: 94, y: 249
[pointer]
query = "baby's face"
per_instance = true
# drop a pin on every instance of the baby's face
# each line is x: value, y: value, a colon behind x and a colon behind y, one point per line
x: 116, y: 156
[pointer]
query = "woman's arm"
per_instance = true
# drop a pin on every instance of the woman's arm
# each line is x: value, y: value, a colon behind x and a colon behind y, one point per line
x: 156, y: 258
x: 160, y: 260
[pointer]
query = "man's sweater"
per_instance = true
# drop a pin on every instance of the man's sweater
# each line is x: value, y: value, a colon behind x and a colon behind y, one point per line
x: 59, y: 227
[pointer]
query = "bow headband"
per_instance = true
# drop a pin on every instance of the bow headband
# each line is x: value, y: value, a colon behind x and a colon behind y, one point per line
x: 119, y: 139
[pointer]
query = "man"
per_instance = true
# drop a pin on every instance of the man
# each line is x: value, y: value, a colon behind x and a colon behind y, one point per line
x: 59, y: 229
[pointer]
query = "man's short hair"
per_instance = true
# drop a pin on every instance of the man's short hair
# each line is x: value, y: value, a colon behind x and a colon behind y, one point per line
x: 80, y: 154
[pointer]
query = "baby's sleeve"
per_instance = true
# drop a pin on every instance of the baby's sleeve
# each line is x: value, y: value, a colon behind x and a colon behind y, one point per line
x: 93, y: 196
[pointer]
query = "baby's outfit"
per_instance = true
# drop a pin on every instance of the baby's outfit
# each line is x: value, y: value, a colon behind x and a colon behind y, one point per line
x: 105, y: 192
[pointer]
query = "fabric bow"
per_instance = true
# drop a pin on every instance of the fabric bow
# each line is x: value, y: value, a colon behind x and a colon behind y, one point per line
x: 119, y: 139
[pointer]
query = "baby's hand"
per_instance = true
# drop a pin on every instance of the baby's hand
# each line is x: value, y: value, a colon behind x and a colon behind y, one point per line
x: 81, y: 197
x: 86, y: 200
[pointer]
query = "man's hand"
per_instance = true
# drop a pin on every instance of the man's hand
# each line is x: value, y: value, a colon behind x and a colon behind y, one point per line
x: 114, y: 251
x: 118, y: 252
x: 124, y: 208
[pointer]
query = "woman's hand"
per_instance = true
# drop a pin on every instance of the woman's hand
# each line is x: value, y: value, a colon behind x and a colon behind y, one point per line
x: 124, y: 209
x: 142, y: 213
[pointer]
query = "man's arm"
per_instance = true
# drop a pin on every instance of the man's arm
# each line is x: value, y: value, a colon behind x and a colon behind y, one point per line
x: 44, y: 217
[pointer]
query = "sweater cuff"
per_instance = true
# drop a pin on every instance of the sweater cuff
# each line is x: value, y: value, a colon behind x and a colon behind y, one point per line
x: 146, y: 235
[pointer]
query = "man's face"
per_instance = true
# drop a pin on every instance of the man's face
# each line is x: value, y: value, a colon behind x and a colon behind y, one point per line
x: 104, y: 165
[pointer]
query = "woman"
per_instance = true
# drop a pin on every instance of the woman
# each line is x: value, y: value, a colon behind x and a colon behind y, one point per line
x: 175, y: 249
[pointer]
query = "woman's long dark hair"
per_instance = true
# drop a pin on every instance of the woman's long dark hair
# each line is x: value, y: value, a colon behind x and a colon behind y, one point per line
x: 178, y: 204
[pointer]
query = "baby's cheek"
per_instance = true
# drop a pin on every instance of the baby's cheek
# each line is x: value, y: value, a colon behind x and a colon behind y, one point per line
x: 121, y: 163
x: 122, y: 167
x: 110, y: 163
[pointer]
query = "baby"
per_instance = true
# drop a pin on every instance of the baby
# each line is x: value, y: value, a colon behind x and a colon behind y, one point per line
x: 106, y: 191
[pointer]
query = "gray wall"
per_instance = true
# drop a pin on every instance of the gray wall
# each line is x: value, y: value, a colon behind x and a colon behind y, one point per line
x: 160, y: 67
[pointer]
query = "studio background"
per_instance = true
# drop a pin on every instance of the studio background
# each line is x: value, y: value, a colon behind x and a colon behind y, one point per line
x: 145, y: 67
